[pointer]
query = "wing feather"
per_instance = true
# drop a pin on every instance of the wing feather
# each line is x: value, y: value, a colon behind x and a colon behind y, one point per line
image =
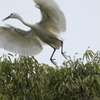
x: 16, y: 42
x: 53, y: 18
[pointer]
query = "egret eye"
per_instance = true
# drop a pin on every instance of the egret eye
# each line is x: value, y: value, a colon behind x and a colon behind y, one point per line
x: 11, y: 14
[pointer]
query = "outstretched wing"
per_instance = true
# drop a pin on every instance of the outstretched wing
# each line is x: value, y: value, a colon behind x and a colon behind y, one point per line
x: 19, y: 41
x: 53, y: 18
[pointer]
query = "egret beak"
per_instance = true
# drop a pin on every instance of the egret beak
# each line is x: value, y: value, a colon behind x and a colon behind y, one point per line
x: 6, y: 18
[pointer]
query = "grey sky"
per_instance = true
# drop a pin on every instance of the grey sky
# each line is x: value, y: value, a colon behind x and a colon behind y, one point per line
x: 83, y: 25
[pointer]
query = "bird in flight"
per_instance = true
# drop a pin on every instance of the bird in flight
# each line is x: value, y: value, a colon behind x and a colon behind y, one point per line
x: 46, y: 31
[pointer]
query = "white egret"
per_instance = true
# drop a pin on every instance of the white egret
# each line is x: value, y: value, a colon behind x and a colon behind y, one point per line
x: 47, y: 30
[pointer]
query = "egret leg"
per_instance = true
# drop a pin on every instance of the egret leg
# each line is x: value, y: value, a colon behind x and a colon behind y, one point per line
x: 52, y: 60
x: 63, y: 53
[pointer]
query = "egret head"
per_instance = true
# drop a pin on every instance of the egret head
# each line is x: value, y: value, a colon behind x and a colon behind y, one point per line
x: 12, y: 15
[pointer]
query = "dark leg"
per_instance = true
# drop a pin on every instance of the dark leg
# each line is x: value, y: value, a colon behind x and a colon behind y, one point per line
x: 63, y: 53
x: 52, y: 60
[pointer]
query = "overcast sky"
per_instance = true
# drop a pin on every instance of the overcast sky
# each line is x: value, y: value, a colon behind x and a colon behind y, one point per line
x: 83, y: 25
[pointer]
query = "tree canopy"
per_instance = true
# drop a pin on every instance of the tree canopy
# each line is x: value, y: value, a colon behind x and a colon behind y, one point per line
x: 26, y: 79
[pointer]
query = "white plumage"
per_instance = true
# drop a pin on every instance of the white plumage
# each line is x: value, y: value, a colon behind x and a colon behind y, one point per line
x: 12, y: 41
x: 57, y: 22
x: 30, y: 42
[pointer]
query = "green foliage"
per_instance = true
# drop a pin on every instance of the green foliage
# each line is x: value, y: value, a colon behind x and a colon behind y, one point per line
x: 26, y: 79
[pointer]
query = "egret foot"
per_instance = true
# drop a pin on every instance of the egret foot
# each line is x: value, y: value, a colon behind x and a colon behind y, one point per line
x: 52, y: 60
x: 64, y: 55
